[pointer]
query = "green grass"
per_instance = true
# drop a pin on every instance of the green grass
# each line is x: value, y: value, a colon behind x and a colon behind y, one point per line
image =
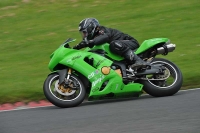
x: 31, y: 30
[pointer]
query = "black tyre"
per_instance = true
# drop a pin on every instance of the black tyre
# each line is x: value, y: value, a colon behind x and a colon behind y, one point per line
x: 166, y: 84
x: 64, y: 97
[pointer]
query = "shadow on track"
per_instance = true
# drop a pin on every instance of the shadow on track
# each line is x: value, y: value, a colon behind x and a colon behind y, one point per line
x: 103, y: 101
x: 106, y: 101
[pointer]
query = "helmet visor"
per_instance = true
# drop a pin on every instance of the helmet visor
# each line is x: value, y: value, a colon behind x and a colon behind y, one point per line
x: 84, y: 33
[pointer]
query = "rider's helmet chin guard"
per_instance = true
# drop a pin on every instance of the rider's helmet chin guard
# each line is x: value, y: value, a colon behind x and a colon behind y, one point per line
x: 87, y: 28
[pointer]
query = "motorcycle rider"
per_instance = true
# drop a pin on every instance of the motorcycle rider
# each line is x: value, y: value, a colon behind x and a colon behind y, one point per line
x: 120, y: 43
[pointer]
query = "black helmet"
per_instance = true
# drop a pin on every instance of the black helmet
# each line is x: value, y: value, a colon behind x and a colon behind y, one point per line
x: 87, y: 28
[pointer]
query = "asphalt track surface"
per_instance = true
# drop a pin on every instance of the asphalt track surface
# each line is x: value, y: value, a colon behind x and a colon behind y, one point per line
x: 175, y: 114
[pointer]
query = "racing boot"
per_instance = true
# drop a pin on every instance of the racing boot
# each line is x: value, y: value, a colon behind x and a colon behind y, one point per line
x: 133, y: 59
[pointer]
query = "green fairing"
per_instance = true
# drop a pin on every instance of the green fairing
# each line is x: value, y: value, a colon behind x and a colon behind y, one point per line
x: 75, y: 60
x: 106, y: 48
x: 150, y: 43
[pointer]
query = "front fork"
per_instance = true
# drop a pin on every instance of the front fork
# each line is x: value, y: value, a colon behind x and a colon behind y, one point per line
x: 69, y: 74
x: 63, y: 73
x: 65, y: 84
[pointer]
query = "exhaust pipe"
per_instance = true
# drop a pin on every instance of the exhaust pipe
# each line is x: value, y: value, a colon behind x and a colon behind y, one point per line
x: 166, y: 48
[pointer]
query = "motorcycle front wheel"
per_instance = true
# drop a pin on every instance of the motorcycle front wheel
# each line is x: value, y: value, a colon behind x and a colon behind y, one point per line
x: 70, y: 94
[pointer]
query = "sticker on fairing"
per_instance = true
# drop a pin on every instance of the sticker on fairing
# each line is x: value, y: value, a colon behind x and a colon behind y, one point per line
x: 94, y: 83
x: 91, y: 75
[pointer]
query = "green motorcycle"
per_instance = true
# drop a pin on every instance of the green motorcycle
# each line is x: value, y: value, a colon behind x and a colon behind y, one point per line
x: 96, y: 73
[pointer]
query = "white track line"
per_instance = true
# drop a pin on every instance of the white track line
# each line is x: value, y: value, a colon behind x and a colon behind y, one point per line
x: 23, y: 108
x: 191, y: 89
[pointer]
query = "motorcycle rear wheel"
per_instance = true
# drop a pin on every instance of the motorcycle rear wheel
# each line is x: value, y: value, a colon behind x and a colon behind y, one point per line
x: 168, y: 87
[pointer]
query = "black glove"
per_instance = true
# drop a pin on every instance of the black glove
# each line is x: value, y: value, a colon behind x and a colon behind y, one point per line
x: 81, y: 45
x: 91, y: 43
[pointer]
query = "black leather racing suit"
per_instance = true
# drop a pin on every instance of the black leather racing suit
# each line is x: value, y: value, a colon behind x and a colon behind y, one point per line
x: 119, y: 42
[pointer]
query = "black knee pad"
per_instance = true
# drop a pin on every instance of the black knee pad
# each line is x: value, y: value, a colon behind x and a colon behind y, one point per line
x: 118, y: 47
